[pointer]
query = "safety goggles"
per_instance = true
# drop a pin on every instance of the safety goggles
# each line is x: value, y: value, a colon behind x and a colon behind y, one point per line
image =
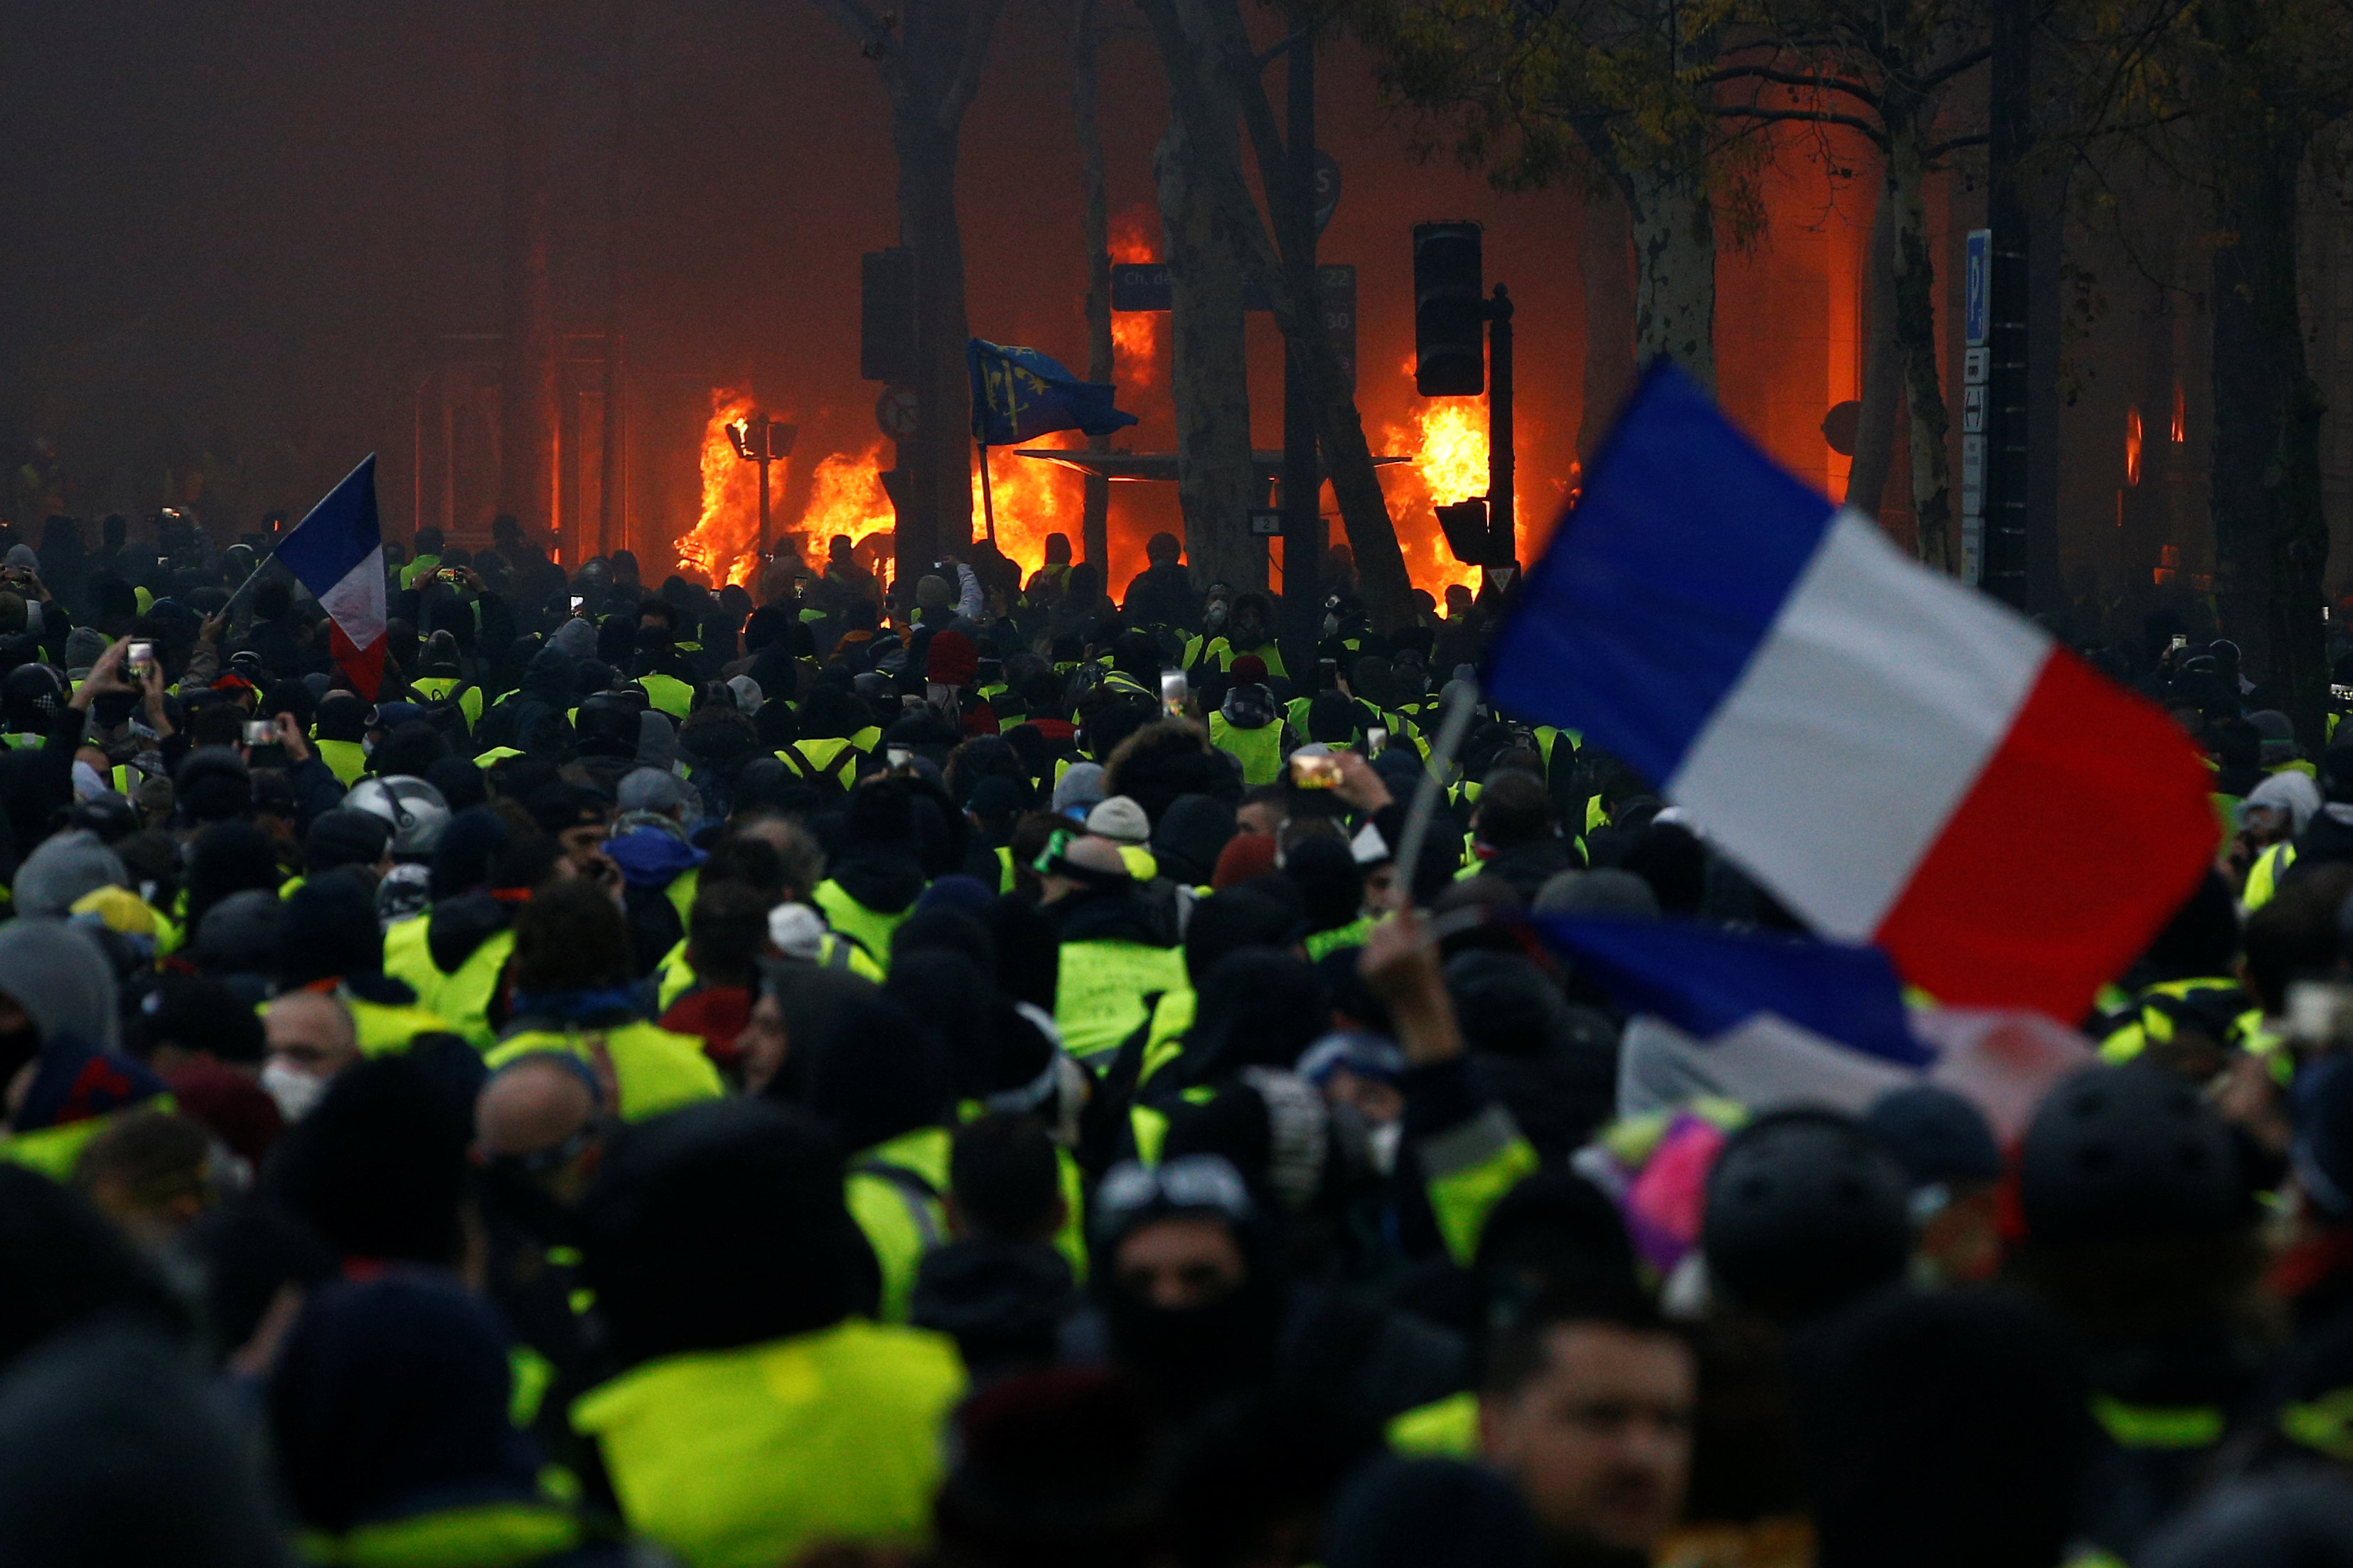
x: 1191, y: 1182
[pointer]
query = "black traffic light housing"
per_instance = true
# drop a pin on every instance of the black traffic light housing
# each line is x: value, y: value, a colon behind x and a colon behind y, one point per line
x: 1449, y: 312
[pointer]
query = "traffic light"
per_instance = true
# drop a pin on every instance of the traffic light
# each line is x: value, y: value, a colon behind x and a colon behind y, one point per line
x: 1449, y: 312
x: 1464, y: 524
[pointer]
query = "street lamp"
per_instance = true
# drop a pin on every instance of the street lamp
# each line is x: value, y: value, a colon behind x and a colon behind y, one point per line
x: 760, y: 439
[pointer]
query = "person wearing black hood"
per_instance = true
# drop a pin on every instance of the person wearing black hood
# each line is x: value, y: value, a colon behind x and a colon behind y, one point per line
x: 390, y: 1404
x: 1516, y: 834
x: 999, y: 1285
x: 758, y: 1411
x: 1190, y: 1278
x: 533, y: 720
x: 873, y: 879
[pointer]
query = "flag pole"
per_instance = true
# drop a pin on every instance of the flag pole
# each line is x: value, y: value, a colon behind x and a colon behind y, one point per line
x: 1451, y: 731
x: 988, y: 501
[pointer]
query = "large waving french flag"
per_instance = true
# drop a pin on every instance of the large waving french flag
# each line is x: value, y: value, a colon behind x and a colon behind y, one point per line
x: 1899, y: 757
x: 337, y: 552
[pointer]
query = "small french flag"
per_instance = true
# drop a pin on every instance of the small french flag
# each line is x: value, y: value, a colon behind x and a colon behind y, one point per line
x: 337, y: 552
x: 1900, y: 759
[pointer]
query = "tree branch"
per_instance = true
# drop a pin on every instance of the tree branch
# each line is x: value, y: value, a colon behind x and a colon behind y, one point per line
x: 1853, y: 89
x: 864, y: 28
x: 979, y: 21
x: 1877, y: 137
x: 1953, y: 67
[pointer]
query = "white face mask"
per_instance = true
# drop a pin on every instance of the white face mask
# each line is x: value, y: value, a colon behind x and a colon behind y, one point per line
x: 296, y: 1092
x: 1384, y: 1141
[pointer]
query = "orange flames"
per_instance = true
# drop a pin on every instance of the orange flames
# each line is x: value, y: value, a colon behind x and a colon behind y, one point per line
x: 1446, y: 442
x: 723, y: 546
x: 845, y: 498
x: 1033, y: 498
x: 1134, y: 334
x: 2132, y: 445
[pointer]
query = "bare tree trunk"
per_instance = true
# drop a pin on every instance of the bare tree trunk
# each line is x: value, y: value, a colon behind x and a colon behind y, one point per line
x: 1210, y: 372
x: 1883, y: 370
x: 939, y: 457
x: 612, y: 506
x: 529, y: 388
x: 1606, y: 257
x: 2271, y: 536
x: 1094, y: 218
x: 929, y: 54
x: 1210, y: 32
x: 1673, y: 231
x: 1916, y: 331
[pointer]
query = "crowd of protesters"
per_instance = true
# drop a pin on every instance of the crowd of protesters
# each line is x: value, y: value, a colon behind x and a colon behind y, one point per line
x: 957, y: 1072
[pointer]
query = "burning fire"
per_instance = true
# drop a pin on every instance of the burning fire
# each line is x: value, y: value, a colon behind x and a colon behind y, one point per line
x: 1033, y: 498
x: 1447, y: 443
x: 2132, y: 445
x: 1134, y: 334
x: 723, y: 546
x: 845, y: 498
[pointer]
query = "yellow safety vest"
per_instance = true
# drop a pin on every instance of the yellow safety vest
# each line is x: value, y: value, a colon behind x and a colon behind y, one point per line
x: 872, y: 929
x: 484, y: 1535
x: 742, y: 1459
x: 1258, y: 751
x: 2152, y: 1022
x: 347, y: 760
x: 1165, y: 1041
x: 385, y: 1030
x: 893, y: 1191
x: 463, y: 995
x: 822, y: 755
x: 1100, y: 989
x: 1224, y: 653
x: 54, y: 1150
x: 434, y: 688
x: 2263, y: 877
x: 670, y: 694
x: 655, y: 1070
x: 1447, y: 1428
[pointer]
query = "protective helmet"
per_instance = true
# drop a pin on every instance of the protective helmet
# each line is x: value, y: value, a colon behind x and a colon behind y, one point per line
x: 415, y: 808
x: 2130, y: 1150
x: 31, y: 696
x: 1806, y: 1210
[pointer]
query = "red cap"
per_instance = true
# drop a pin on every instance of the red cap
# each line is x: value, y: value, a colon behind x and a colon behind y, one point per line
x: 1251, y: 668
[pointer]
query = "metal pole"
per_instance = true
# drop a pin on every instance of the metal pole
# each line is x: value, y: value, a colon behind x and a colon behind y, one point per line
x: 1503, y: 547
x: 988, y: 501
x: 1303, y: 477
x: 1451, y: 728
x: 2009, y: 131
x: 766, y: 427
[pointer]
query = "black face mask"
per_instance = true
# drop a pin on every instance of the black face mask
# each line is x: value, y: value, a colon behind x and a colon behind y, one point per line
x: 1194, y: 1356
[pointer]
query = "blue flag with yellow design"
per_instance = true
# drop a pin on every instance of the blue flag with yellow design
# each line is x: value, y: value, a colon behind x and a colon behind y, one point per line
x: 1019, y: 394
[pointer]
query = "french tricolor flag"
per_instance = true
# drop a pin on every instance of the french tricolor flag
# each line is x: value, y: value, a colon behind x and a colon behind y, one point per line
x: 337, y: 552
x: 1899, y: 757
